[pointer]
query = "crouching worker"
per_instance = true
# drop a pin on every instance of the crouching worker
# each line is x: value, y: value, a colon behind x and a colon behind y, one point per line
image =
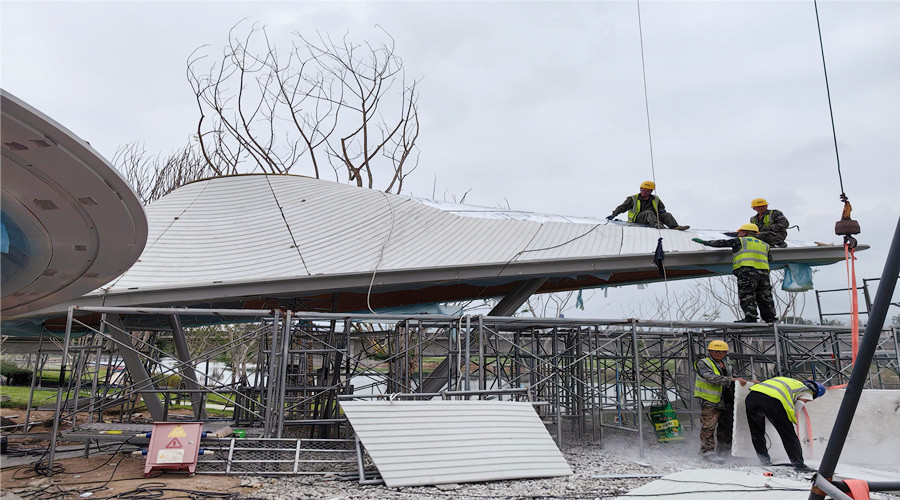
x: 775, y: 400
x: 715, y: 388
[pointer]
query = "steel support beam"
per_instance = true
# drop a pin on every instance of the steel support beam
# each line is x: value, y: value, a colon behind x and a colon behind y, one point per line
x: 143, y: 384
x: 506, y: 307
x: 188, y: 374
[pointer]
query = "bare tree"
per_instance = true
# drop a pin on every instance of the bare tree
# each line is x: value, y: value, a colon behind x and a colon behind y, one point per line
x: 552, y: 305
x: 707, y: 300
x: 343, y: 103
x: 152, y: 177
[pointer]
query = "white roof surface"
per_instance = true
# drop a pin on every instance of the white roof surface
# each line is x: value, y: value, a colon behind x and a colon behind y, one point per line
x: 284, y: 235
x: 272, y: 227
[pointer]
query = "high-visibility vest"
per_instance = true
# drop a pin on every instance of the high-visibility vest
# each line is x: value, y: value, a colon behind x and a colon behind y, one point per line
x: 784, y: 389
x: 766, y: 220
x: 754, y: 253
x: 706, y: 390
x: 636, y: 207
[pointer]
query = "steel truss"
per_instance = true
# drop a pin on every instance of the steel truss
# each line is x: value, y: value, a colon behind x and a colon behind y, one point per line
x: 582, y: 375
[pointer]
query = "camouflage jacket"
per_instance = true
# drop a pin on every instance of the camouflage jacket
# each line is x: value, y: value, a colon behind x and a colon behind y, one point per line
x: 724, y: 379
x: 778, y: 223
x: 645, y: 205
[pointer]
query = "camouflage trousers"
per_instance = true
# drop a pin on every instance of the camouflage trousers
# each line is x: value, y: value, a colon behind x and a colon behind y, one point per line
x: 773, y: 238
x: 754, y: 290
x: 715, y: 425
x: 648, y: 217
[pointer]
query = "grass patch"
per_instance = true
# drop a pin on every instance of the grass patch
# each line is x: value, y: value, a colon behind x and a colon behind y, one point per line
x: 18, y: 396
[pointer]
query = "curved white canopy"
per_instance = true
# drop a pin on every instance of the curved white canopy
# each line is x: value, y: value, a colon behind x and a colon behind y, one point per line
x: 70, y: 222
x: 318, y: 244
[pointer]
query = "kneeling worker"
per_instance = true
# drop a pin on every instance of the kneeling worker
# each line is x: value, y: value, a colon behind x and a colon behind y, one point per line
x: 715, y: 388
x: 644, y: 208
x: 776, y: 400
x: 773, y: 225
x: 750, y: 265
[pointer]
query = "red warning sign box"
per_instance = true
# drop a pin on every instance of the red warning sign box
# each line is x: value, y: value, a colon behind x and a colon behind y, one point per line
x: 173, y: 446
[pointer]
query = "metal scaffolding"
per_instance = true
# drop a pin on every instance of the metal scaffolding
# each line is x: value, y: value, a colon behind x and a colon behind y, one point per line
x: 582, y: 375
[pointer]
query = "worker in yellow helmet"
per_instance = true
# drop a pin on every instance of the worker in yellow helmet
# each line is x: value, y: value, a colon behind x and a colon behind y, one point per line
x: 645, y: 208
x: 750, y: 265
x: 772, y: 224
x: 775, y: 400
x: 714, y: 387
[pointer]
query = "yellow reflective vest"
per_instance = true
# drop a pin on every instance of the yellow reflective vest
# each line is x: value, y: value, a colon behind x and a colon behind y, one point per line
x: 636, y: 207
x: 784, y: 389
x: 754, y: 253
x: 705, y: 390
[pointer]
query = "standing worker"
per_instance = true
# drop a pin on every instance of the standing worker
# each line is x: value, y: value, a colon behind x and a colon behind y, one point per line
x: 750, y: 264
x: 776, y: 400
x: 644, y: 208
x: 715, y: 388
x: 772, y: 224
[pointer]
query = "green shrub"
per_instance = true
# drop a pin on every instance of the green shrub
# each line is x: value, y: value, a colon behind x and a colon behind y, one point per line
x: 15, y: 375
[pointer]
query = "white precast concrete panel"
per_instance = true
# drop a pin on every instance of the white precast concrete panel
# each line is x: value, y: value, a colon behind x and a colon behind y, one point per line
x: 717, y: 483
x: 438, y: 442
x: 872, y: 438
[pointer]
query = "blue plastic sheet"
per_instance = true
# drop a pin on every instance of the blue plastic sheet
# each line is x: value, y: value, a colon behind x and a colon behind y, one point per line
x: 797, y: 278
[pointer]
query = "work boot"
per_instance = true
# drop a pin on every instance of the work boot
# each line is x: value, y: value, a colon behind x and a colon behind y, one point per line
x: 748, y: 319
x: 681, y: 228
x: 803, y: 468
x: 771, y: 320
x: 780, y: 245
x: 764, y: 460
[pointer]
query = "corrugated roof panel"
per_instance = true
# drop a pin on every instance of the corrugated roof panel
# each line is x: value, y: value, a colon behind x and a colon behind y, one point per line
x: 230, y: 230
x: 435, y: 442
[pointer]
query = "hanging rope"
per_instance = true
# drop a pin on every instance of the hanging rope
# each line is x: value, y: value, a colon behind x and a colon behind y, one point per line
x: 658, y: 255
x: 854, y: 300
x: 846, y: 226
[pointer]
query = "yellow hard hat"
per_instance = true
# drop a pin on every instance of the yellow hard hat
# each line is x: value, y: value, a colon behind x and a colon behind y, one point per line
x: 759, y: 202
x: 717, y: 345
x: 749, y: 227
x: 648, y: 185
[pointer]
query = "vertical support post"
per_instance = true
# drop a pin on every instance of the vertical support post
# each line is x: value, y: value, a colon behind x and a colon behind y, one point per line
x: 271, y: 379
x: 282, y: 377
x: 863, y: 363
x: 186, y: 367
x: 779, y: 371
x: 482, y: 365
x: 639, y: 388
x: 468, y: 356
x: 34, y: 376
x: 59, y: 390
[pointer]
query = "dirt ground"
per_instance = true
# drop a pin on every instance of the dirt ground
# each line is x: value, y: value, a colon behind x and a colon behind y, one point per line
x: 101, y: 475
x: 109, y: 476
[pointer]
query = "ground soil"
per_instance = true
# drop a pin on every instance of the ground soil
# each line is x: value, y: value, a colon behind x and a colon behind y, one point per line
x: 110, y: 476
x: 102, y: 475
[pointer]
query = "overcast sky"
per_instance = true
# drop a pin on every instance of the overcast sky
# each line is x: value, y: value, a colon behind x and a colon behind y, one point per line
x: 541, y: 104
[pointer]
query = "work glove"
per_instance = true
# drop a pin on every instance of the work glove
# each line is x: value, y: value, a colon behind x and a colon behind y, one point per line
x: 610, y: 217
x: 698, y: 240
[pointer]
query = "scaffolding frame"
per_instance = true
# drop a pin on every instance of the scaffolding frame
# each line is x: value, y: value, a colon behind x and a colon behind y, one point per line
x: 582, y: 375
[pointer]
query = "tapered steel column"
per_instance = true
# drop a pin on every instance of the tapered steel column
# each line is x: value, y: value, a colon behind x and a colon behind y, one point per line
x: 188, y: 374
x: 143, y: 384
x: 863, y: 363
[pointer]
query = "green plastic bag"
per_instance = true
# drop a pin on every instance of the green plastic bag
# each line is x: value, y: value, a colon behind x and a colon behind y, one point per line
x: 665, y: 423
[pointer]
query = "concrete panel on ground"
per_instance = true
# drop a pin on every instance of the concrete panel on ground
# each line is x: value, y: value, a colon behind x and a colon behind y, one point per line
x: 872, y: 439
